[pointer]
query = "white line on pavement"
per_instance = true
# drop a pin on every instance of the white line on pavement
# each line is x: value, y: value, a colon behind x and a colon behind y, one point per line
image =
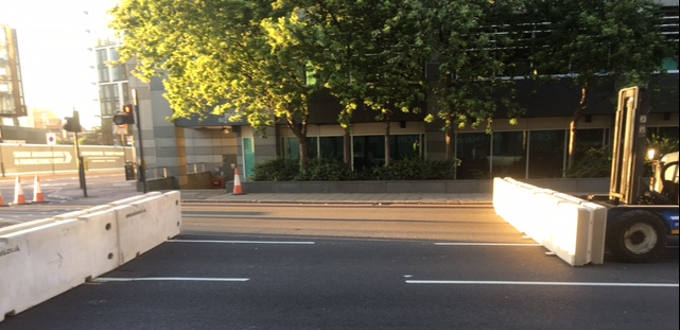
x: 196, y: 279
x: 238, y: 242
x: 652, y: 285
x: 486, y: 244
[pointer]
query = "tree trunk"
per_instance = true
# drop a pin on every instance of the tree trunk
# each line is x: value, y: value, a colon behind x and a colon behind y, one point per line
x: 387, y: 143
x: 449, y: 140
x: 300, y: 131
x: 572, y: 125
x: 347, y: 148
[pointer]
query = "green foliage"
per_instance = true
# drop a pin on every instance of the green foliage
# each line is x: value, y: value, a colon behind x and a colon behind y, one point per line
x: 662, y: 145
x: 620, y: 38
x: 246, y: 58
x: 593, y: 163
x: 333, y: 170
x: 413, y: 169
x: 467, y: 53
x: 326, y: 170
x: 276, y: 170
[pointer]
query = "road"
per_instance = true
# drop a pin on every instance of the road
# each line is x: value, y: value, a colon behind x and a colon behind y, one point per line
x: 63, y: 194
x: 370, y: 267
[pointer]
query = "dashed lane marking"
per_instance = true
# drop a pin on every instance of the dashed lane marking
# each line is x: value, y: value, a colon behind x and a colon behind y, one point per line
x: 240, y: 242
x: 605, y: 284
x: 189, y: 279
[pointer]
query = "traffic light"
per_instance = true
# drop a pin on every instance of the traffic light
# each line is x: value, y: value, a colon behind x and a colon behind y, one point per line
x: 72, y: 123
x: 126, y: 116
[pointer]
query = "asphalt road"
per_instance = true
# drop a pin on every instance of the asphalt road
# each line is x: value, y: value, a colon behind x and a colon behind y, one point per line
x: 362, y: 273
x: 63, y: 194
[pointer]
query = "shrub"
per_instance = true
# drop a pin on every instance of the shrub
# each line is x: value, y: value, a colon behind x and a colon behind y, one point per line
x: 594, y: 163
x: 412, y: 169
x: 326, y: 170
x: 333, y: 170
x: 276, y: 170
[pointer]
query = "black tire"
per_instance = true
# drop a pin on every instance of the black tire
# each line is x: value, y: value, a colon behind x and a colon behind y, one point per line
x: 638, y: 236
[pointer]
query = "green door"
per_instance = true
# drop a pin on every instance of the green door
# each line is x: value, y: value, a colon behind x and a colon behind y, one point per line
x: 248, y: 157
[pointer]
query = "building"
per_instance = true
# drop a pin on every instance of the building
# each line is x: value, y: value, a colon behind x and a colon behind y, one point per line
x: 536, y: 147
x: 112, y: 82
x: 11, y: 88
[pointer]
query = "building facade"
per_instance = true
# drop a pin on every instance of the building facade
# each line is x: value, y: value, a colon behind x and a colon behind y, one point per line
x: 536, y: 146
x: 11, y: 88
x: 112, y: 81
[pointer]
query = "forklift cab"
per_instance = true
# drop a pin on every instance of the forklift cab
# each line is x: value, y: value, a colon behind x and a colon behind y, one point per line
x: 665, y: 179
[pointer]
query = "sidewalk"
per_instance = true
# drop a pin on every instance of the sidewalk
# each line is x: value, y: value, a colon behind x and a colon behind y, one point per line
x: 220, y: 196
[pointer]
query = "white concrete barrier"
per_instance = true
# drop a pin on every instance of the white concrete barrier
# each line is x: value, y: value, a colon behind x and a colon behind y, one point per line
x: 572, y: 228
x: 43, y: 259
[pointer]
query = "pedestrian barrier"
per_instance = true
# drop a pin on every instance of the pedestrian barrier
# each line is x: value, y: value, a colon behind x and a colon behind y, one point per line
x: 572, y: 228
x: 46, y: 257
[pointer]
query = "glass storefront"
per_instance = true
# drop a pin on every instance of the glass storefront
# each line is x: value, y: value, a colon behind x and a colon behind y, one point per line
x: 509, y: 154
x: 546, y: 154
x: 291, y: 148
x: 404, y: 146
x: 369, y: 151
x: 473, y: 150
x: 331, y: 147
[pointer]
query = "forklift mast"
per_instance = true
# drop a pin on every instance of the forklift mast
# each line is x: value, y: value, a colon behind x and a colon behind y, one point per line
x: 629, y: 146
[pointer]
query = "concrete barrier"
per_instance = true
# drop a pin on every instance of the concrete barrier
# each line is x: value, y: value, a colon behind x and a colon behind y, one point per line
x: 42, y: 259
x: 572, y: 228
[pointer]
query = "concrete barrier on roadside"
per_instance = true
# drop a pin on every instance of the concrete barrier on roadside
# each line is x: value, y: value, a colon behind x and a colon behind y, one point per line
x: 41, y: 260
x: 572, y: 228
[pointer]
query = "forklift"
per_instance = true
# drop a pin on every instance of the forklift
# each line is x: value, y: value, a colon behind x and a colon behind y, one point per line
x: 640, y: 220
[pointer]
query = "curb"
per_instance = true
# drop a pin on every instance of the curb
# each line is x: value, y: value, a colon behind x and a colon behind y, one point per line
x: 452, y: 203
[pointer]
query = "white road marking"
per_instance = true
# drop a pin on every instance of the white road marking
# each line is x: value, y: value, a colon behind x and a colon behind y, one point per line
x: 196, y: 279
x: 239, y: 242
x: 486, y: 244
x: 615, y: 284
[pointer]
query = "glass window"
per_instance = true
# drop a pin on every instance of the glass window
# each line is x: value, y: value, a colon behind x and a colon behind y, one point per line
x: 404, y: 146
x: 587, y: 139
x: 473, y: 150
x: 291, y: 148
x: 546, y: 151
x: 113, y: 54
x: 101, y: 57
x: 369, y: 151
x: 331, y: 147
x: 509, y: 154
x: 103, y: 74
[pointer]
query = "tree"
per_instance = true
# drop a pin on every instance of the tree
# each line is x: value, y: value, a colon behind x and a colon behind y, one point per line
x: 373, y: 57
x: 466, y: 50
x: 615, y: 38
x: 249, y: 58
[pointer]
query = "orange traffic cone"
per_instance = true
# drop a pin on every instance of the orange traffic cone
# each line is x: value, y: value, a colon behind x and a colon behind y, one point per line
x: 19, y: 197
x: 238, y: 190
x: 38, y: 196
x: 2, y: 202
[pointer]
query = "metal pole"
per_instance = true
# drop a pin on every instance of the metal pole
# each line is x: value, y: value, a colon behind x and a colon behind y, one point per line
x: 142, y: 164
x: 81, y: 166
x: 52, y: 157
x: 2, y: 163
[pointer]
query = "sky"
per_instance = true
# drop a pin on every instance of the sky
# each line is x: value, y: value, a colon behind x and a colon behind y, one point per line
x: 55, y: 50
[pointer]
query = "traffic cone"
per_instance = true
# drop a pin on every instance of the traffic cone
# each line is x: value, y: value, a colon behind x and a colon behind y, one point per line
x: 19, y: 198
x: 2, y: 201
x: 38, y: 196
x: 238, y: 190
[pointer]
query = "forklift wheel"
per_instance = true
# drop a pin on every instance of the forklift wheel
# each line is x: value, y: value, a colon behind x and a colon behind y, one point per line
x: 638, y: 236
